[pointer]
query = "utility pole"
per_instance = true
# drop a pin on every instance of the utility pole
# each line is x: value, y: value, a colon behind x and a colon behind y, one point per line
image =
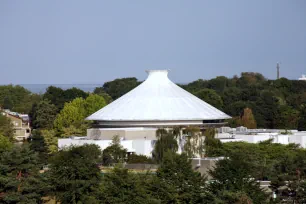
x: 277, y: 67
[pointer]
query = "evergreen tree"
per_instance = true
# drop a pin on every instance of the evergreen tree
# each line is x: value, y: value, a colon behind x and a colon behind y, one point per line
x: 75, y: 175
x: 38, y: 145
x: 5, y: 144
x: 233, y: 176
x: 177, y: 182
x: 121, y: 187
x: 20, y: 180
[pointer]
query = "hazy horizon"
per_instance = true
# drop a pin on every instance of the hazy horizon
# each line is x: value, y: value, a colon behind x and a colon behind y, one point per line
x: 77, y: 42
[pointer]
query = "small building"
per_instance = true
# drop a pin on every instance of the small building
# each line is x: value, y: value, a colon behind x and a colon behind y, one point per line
x: 21, y: 124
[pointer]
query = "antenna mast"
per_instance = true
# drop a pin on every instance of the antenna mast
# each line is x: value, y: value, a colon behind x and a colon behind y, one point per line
x: 277, y: 67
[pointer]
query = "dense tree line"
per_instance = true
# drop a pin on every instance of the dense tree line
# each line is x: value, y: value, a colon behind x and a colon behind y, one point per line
x: 74, y: 176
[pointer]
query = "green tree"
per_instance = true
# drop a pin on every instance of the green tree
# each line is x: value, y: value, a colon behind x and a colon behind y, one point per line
x: 74, y: 174
x: 166, y: 141
x: 8, y: 103
x: 219, y: 83
x: 17, y: 98
x: 195, y: 85
x: 20, y: 181
x: 38, y: 145
x: 119, y: 87
x: 93, y: 103
x: 59, y: 97
x: 210, y: 97
x: 177, y: 182
x: 5, y: 144
x: 233, y: 175
x: 212, y: 146
x: 43, y: 115
x: 100, y: 91
x: 50, y: 140
x: 74, y: 113
x: 121, y: 187
x: 302, y: 120
x: 115, y: 153
x: 139, y: 159
x: 6, y: 127
x: 288, y: 118
x: 55, y: 96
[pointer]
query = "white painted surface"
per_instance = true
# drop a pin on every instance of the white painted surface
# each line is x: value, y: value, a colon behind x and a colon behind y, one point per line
x: 298, y: 138
x: 143, y: 147
x: 125, y: 133
x: 156, y: 99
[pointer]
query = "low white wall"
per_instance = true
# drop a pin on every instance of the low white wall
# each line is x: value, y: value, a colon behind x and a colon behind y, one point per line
x: 125, y: 133
x: 260, y: 137
x: 143, y: 147
x: 298, y: 138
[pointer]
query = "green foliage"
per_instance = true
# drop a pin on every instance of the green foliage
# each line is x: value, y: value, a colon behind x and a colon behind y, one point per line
x: 114, y: 153
x: 20, y: 181
x: 302, y: 120
x: 269, y: 160
x: 75, y: 175
x: 50, y: 139
x: 59, y: 97
x: 38, y: 145
x: 43, y: 114
x: 119, y: 87
x: 6, y: 127
x: 71, y: 118
x: 17, y: 98
x: 121, y: 187
x: 212, y: 146
x: 194, y: 142
x: 100, y: 91
x: 5, y: 144
x: 166, y: 141
x: 275, y: 103
x: 301, y: 192
x: 232, y: 175
x: 211, y: 97
x: 139, y: 159
x: 177, y: 182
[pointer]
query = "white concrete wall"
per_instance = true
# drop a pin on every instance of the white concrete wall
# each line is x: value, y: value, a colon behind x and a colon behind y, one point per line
x: 125, y: 133
x: 253, y: 138
x: 143, y: 147
x: 282, y: 139
x: 298, y: 138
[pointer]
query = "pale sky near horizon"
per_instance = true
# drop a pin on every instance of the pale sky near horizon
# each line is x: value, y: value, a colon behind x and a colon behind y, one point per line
x: 63, y: 42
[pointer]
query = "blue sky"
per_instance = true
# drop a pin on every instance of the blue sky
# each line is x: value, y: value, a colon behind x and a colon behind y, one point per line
x: 96, y: 41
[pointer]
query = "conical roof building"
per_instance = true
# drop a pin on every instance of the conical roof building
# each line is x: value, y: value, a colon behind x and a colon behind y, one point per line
x: 157, y: 102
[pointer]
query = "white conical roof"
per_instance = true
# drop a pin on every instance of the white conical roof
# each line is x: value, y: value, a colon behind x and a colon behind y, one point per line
x: 158, y: 99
